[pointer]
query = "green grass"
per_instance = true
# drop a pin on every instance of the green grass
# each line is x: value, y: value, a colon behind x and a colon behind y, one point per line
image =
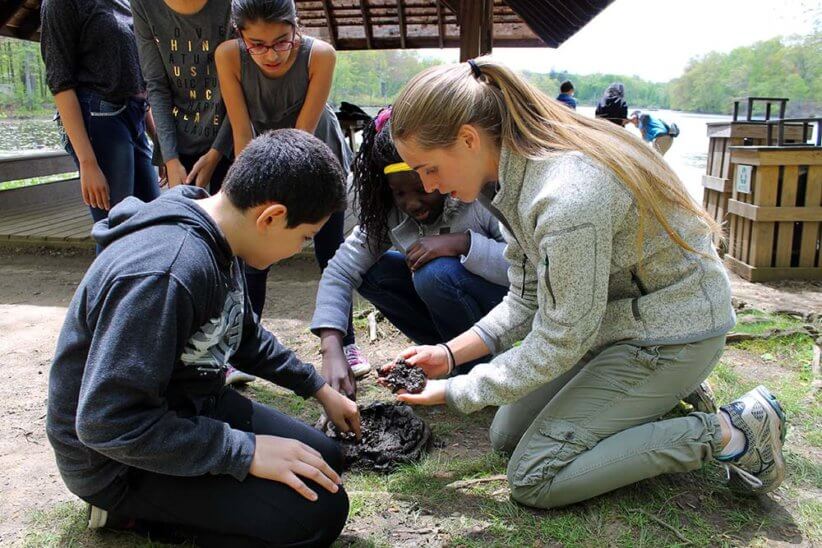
x: 697, y: 505
x: 38, y: 180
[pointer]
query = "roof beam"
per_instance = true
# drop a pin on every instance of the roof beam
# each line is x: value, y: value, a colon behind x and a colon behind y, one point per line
x: 366, y: 23
x: 332, y: 25
x: 8, y: 9
x: 440, y: 24
x: 401, y: 14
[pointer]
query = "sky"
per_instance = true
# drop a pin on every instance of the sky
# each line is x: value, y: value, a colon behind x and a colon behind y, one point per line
x: 654, y: 39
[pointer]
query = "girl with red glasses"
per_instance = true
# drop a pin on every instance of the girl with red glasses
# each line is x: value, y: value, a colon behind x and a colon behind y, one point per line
x: 272, y: 77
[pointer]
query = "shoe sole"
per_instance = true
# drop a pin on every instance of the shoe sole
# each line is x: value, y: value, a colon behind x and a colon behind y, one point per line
x: 97, y: 517
x: 360, y: 372
x: 778, y: 421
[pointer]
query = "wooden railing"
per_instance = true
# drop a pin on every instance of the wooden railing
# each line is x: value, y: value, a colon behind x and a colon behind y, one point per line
x: 37, y: 164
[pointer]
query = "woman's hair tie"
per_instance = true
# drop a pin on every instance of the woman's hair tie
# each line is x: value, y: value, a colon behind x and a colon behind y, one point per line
x: 382, y: 118
x: 475, y: 70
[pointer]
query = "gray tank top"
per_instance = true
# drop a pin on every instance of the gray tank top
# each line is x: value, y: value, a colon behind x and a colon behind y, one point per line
x: 275, y: 103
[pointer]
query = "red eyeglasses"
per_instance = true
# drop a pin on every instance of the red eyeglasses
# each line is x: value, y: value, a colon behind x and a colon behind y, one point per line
x: 280, y: 46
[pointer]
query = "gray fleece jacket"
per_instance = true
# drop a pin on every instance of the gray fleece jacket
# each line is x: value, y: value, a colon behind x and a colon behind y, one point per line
x: 355, y: 256
x: 576, y: 283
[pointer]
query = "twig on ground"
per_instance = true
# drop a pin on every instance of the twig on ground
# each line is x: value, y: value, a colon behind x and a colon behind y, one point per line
x: 372, y: 326
x: 668, y: 526
x: 739, y: 337
x: 465, y: 483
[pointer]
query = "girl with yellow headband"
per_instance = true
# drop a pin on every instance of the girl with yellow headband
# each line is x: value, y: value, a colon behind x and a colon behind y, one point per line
x: 445, y: 271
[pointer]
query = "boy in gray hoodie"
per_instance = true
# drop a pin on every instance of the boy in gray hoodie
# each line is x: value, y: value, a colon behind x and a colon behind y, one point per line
x: 446, y: 269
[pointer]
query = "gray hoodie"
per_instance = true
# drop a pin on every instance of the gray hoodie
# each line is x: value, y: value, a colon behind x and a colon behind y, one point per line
x: 355, y: 256
x: 576, y: 279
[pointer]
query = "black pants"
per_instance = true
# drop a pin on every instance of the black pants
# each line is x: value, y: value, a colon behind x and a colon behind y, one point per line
x: 221, y: 511
x: 326, y: 243
x: 216, y: 183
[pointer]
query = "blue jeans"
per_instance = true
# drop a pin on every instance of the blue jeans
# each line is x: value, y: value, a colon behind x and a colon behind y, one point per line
x: 117, y: 132
x: 434, y: 304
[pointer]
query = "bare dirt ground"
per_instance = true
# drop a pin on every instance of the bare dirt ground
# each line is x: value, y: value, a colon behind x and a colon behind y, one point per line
x: 35, y: 289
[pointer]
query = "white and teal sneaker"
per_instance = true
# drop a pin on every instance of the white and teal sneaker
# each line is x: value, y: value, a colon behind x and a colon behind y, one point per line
x: 760, y: 467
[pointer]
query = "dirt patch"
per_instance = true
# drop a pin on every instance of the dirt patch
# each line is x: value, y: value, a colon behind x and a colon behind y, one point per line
x: 392, y: 434
x: 798, y: 296
x: 402, y: 376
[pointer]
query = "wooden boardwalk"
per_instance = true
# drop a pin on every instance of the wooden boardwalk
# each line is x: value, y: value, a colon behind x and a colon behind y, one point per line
x: 65, y: 223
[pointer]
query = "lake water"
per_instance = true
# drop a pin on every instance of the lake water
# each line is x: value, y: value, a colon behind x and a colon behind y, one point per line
x: 687, y: 156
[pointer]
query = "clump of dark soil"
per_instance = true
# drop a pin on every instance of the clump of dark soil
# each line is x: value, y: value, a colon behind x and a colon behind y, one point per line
x: 403, y: 376
x: 392, y: 434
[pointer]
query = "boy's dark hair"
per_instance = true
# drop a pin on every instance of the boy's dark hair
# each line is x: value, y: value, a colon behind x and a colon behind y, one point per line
x: 290, y: 167
x: 273, y: 11
x: 566, y: 86
x: 371, y: 190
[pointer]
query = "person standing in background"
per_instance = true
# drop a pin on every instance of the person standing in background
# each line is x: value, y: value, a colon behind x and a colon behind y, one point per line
x: 655, y: 131
x: 176, y: 40
x: 272, y: 77
x: 612, y: 106
x: 566, y: 94
x: 93, y: 71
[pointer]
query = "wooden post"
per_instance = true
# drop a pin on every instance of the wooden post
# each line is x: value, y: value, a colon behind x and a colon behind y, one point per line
x: 470, y: 23
x: 487, y: 31
x: 476, y: 28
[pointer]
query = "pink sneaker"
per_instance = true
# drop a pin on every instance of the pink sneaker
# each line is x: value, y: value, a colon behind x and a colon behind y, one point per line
x: 235, y: 376
x: 356, y: 361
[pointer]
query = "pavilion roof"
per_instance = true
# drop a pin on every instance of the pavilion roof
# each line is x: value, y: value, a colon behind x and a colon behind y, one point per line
x: 395, y: 24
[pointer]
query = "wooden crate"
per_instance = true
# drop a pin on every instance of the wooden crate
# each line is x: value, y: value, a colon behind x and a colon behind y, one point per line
x: 775, y: 225
x: 719, y: 173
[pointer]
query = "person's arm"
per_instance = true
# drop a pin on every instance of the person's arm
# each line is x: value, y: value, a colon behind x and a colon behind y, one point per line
x: 93, y: 184
x: 227, y: 59
x: 60, y: 31
x: 159, y: 93
x: 574, y: 233
x: 122, y: 412
x: 320, y: 77
x: 341, y: 277
x: 485, y: 256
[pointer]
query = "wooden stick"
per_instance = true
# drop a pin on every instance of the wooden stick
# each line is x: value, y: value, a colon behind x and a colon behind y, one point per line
x: 465, y: 483
x: 671, y: 528
x: 372, y: 326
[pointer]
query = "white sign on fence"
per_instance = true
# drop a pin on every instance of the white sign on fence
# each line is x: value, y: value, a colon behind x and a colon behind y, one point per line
x: 743, y: 179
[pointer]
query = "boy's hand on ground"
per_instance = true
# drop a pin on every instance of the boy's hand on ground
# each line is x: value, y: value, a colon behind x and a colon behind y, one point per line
x: 432, y: 394
x: 175, y: 172
x: 428, y: 248
x: 433, y: 360
x: 336, y: 371
x: 340, y: 410
x: 284, y: 460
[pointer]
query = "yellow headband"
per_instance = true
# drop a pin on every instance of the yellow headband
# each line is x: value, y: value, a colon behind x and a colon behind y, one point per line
x: 396, y: 168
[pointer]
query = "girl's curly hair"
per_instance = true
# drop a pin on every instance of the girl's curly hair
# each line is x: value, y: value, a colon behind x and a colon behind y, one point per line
x: 371, y: 190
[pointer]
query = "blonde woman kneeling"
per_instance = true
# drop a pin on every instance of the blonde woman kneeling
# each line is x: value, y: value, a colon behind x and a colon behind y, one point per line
x: 616, y: 293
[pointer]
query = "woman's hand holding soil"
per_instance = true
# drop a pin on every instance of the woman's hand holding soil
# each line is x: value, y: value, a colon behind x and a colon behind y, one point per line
x: 428, y: 248
x: 340, y: 410
x: 433, y: 360
x: 284, y: 459
x: 432, y: 394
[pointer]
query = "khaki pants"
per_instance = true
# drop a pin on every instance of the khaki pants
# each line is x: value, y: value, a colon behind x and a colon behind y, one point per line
x: 663, y: 143
x: 595, y: 428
